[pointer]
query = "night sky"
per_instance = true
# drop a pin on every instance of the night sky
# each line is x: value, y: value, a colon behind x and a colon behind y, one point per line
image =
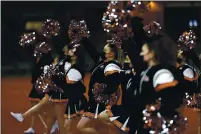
x: 14, y: 15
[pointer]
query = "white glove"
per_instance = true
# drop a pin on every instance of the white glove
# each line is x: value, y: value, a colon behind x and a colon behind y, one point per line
x: 45, y: 68
x: 67, y: 66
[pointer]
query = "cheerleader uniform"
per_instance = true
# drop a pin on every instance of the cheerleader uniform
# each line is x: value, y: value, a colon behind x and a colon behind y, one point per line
x: 190, y: 76
x: 60, y: 81
x: 119, y: 115
x: 73, y: 93
x: 159, y: 82
x: 45, y: 59
x: 77, y: 101
x: 103, y: 90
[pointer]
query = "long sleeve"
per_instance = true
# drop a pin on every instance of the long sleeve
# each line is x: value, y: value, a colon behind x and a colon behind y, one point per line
x: 46, y: 59
x: 90, y: 49
x: 133, y: 49
x: 133, y: 45
x: 194, y: 58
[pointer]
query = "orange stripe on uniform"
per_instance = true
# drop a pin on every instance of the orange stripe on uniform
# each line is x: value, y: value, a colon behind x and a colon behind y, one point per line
x: 34, y: 99
x: 88, y: 114
x: 59, y: 100
x: 166, y: 85
x: 71, y: 116
x: 192, y: 79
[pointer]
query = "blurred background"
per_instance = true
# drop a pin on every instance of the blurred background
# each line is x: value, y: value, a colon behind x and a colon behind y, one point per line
x: 16, y: 63
x: 175, y: 17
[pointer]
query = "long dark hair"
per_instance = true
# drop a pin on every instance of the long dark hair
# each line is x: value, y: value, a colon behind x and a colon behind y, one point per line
x: 165, y: 49
x: 80, y: 61
x: 114, y: 49
x: 191, y: 55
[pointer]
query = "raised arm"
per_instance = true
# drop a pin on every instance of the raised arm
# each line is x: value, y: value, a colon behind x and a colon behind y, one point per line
x: 90, y: 49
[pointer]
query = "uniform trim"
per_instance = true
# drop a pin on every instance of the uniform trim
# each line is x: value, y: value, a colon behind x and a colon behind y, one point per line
x: 71, y: 116
x: 59, y: 100
x: 81, y: 112
x: 34, y: 99
x: 69, y: 81
x: 192, y: 79
x: 166, y: 85
x: 89, y: 115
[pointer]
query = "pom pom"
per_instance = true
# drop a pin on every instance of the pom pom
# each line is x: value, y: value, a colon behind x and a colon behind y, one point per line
x: 157, y: 124
x: 100, y: 97
x: 152, y: 29
x: 40, y: 48
x: 77, y: 30
x: 45, y: 82
x: 187, y: 40
x: 115, y: 40
x: 27, y: 39
x: 50, y: 27
x: 193, y: 101
x: 117, y: 18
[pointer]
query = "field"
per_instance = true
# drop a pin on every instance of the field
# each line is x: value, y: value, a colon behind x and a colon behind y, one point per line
x: 14, y: 92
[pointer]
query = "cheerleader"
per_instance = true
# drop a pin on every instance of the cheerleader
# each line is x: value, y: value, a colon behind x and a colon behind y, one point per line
x: 103, y: 88
x: 34, y: 96
x: 76, y: 99
x: 160, y: 80
x: 117, y: 117
x: 72, y: 97
x: 190, y: 76
x: 42, y: 105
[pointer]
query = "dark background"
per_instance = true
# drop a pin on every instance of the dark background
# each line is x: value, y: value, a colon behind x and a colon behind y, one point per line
x: 16, y: 61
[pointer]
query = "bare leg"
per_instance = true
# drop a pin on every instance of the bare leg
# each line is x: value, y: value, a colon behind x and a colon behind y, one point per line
x: 107, y: 125
x: 68, y: 126
x: 33, y: 103
x: 51, y: 117
x: 71, y: 125
x: 59, y: 109
x: 35, y: 109
x: 84, y: 126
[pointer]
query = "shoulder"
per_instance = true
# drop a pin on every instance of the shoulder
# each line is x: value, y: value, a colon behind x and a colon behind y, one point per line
x: 74, y: 75
x: 189, y: 72
x: 67, y: 66
x: 163, y: 78
x: 111, y: 68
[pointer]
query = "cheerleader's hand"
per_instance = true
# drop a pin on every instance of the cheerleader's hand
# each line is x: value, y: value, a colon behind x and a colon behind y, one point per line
x: 128, y: 72
x: 45, y: 69
x: 103, y: 116
x: 67, y: 66
x: 133, y: 71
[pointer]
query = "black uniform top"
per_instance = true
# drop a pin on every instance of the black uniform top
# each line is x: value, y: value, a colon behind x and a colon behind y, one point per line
x: 190, y: 77
x: 45, y: 59
x: 160, y: 82
x: 110, y: 84
x: 129, y: 89
x: 77, y: 89
x: 71, y: 91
